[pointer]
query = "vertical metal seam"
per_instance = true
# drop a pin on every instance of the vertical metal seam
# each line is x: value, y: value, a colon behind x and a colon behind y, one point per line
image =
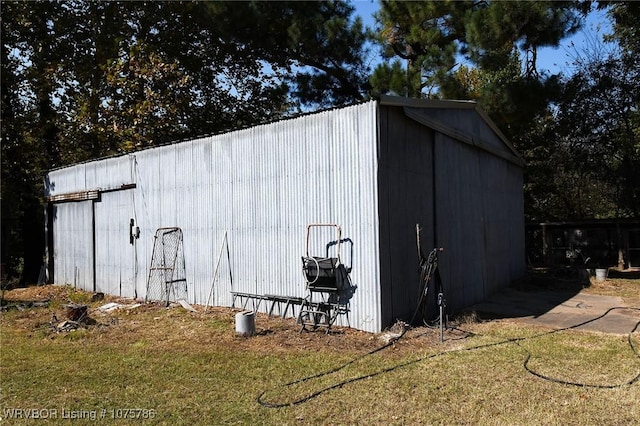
x: 93, y: 242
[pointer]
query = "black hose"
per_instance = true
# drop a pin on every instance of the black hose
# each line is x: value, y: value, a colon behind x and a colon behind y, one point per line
x: 326, y: 373
x: 425, y: 278
x: 429, y: 274
x: 587, y: 385
x: 515, y: 340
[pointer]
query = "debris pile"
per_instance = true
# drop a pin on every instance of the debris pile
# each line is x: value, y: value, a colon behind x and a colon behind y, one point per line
x: 76, y: 317
x: 64, y: 326
x: 112, y: 306
x: 22, y: 306
x: 395, y: 332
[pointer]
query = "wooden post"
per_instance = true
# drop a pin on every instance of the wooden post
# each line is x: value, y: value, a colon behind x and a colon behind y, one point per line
x: 546, y: 246
x: 620, y: 244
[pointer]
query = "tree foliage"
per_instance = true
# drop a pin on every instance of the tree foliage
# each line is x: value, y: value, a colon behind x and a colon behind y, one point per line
x: 85, y: 79
x: 434, y: 36
x: 426, y: 35
x: 598, y: 123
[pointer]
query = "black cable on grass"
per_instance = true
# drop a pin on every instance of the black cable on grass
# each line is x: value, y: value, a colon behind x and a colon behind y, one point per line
x: 340, y: 367
x: 306, y: 398
x: 515, y: 340
x: 427, y: 268
x: 588, y: 385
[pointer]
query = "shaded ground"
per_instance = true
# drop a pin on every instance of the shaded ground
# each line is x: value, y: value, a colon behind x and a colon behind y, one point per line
x: 571, y: 298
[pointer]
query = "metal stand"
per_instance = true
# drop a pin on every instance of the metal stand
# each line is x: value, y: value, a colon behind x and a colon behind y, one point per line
x: 429, y: 274
x: 442, y: 305
x: 323, y: 276
x: 320, y: 308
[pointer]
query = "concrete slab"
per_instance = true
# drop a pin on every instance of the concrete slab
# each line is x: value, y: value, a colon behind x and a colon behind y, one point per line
x: 606, y: 314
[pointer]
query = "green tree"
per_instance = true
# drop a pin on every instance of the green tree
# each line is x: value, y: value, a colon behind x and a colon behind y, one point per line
x: 29, y: 131
x: 86, y: 79
x: 432, y: 37
x: 599, y: 120
x: 584, y: 153
x: 626, y: 31
x: 427, y: 36
x: 314, y: 47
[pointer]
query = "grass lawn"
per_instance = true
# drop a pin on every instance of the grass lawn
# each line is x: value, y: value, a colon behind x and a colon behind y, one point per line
x: 170, y: 366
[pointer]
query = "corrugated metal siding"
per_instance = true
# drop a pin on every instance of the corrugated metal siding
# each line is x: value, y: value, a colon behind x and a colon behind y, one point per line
x: 263, y: 185
x: 478, y: 215
x: 70, y: 179
x: 104, y: 174
x: 470, y: 126
x: 109, y: 173
x: 512, y: 184
x: 115, y: 255
x: 292, y: 173
x: 469, y: 122
x: 479, y: 222
x: 73, y: 244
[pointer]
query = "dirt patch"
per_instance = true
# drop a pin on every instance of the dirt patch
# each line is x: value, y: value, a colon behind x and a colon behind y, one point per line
x: 161, y: 327
x: 38, y: 293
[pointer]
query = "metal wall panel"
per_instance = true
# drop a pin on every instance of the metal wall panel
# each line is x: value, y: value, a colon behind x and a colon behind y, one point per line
x: 496, y: 224
x: 461, y: 221
x: 504, y: 224
x: 69, y: 179
x: 405, y: 183
x: 262, y: 186
x: 517, y: 237
x: 291, y: 173
x: 73, y: 244
x: 109, y: 173
x: 146, y: 211
x: 467, y: 200
x: 480, y: 222
x: 115, y: 255
x: 469, y: 122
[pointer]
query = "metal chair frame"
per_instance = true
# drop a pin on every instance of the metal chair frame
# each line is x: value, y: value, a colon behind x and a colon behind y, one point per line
x: 322, y: 305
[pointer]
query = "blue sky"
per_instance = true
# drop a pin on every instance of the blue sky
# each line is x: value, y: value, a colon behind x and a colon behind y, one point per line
x: 552, y: 60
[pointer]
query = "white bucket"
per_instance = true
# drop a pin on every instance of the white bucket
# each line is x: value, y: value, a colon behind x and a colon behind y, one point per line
x: 601, y: 274
x: 246, y: 323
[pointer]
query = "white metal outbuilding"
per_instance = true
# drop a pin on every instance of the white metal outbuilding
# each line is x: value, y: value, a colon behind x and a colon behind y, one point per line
x: 377, y: 169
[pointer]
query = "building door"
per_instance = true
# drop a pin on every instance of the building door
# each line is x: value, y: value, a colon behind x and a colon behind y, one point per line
x: 115, y: 249
x: 72, y: 248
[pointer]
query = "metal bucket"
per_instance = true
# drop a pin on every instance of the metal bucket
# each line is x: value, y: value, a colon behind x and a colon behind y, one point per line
x: 246, y: 323
x: 601, y: 274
